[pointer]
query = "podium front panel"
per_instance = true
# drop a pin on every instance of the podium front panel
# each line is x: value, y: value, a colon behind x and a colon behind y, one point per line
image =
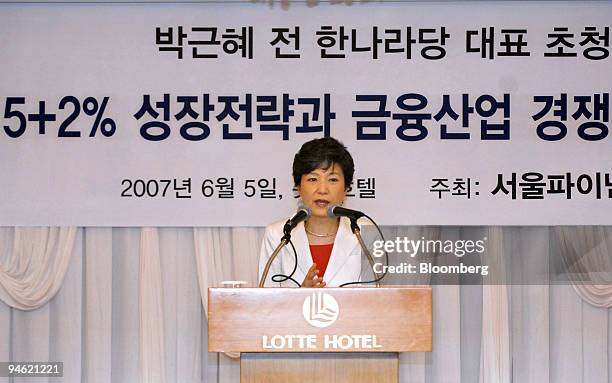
x: 387, y: 319
x: 354, y: 367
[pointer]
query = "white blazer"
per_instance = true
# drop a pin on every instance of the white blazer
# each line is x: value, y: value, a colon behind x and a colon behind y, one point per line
x: 344, y: 263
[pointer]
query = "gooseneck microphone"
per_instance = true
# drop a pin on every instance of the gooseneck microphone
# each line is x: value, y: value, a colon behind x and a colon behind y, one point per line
x: 291, y: 223
x: 300, y: 216
x: 354, y: 215
x: 338, y: 211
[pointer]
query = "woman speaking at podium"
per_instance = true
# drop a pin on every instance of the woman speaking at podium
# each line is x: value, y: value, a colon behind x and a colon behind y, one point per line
x: 328, y: 253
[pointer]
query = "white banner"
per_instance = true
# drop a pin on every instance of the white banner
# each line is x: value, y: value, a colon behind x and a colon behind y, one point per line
x: 190, y: 114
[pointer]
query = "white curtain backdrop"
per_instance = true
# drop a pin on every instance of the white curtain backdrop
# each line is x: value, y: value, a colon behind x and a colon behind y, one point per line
x: 131, y: 308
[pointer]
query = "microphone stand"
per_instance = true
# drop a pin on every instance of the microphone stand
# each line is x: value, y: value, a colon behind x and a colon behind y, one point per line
x: 357, y: 232
x: 282, y: 244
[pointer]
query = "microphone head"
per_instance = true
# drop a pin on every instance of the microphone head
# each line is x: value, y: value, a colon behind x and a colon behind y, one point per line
x: 330, y: 210
x: 302, y: 214
x: 305, y: 210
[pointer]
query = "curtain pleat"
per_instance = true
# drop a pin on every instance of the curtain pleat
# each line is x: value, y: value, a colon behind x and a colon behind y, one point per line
x: 34, y: 271
x: 587, y: 256
x: 98, y: 304
x: 152, y: 339
x: 495, y: 349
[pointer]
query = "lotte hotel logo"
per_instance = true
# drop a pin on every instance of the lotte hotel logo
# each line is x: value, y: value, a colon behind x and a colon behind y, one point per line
x: 320, y: 309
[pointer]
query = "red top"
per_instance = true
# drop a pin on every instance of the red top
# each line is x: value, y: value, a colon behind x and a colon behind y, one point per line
x: 320, y: 256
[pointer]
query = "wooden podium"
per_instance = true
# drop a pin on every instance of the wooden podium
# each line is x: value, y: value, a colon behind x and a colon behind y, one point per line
x: 325, y: 335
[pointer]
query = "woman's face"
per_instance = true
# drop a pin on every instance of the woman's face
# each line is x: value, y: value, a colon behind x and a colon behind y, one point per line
x: 322, y: 187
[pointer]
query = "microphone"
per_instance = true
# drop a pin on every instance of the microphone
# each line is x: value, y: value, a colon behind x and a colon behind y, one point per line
x: 300, y: 216
x: 337, y: 211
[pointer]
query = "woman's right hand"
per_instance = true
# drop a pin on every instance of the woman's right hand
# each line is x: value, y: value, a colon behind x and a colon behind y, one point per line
x: 312, y: 278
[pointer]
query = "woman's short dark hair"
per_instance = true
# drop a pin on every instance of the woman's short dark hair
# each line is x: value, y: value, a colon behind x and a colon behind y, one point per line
x: 323, y: 153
